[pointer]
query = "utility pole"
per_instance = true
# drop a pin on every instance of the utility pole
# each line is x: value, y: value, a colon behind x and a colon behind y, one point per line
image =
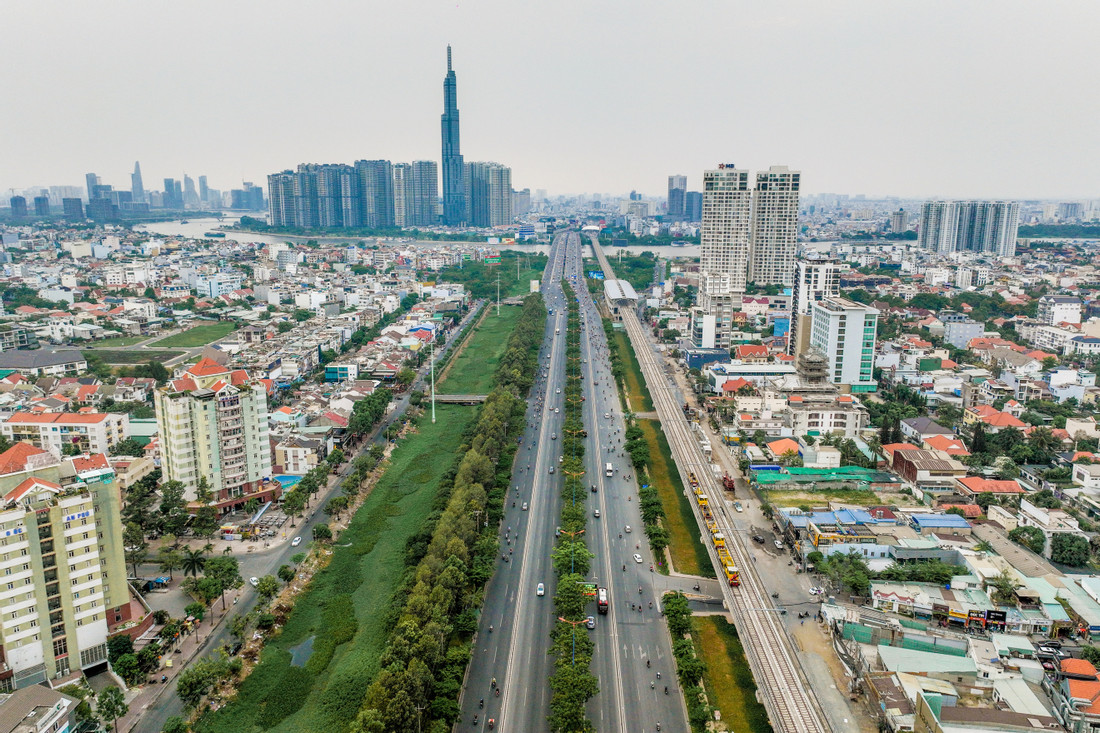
x: 498, y: 295
x: 433, y: 381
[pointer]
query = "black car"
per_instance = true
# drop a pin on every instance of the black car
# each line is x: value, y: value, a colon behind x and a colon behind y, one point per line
x: 758, y: 538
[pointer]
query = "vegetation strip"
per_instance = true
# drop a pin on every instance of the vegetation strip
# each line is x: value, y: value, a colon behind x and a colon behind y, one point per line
x: 726, y: 675
x: 572, y: 683
x: 472, y: 370
x: 689, y: 668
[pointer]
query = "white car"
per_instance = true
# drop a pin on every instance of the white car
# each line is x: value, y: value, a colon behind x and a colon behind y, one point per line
x: 254, y: 581
x: 737, y: 506
x: 540, y: 590
x: 607, y: 416
x: 638, y: 558
x: 596, y: 513
x: 778, y: 545
x: 590, y: 622
x: 524, y: 506
x: 296, y: 541
x: 627, y: 529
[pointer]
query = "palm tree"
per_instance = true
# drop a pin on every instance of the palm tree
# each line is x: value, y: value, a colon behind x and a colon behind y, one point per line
x: 193, y: 561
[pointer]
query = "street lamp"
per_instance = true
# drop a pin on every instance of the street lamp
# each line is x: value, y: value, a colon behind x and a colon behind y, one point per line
x: 574, y: 625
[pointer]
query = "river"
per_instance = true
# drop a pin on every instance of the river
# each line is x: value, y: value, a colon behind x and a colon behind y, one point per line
x: 195, y: 228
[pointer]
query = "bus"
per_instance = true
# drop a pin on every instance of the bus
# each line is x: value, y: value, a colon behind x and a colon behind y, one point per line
x: 601, y: 600
x: 609, y: 471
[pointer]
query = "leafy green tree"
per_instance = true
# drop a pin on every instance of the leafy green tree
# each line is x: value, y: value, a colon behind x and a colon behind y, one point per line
x: 1030, y: 537
x: 321, y: 532
x: 1004, y: 587
x: 176, y: 724
x: 267, y: 587
x: 286, y: 573
x: 196, y: 610
x: 173, y: 509
x: 1069, y: 549
x: 136, y: 548
x: 128, y: 447
x: 226, y: 570
x: 118, y: 646
x: 111, y: 704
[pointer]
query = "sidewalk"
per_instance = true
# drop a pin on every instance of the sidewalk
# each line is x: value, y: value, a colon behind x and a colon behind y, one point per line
x: 143, y: 697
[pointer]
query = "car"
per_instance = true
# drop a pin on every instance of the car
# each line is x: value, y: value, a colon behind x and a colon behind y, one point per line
x: 627, y: 529
x: 737, y: 506
x: 758, y: 538
x: 557, y: 410
x: 296, y: 541
x: 540, y: 590
x: 561, y: 459
x: 557, y: 531
x: 553, y: 436
x: 254, y: 581
x: 778, y: 544
x: 638, y: 558
x: 559, y: 390
x: 607, y: 415
x: 596, y: 513
x: 1052, y: 643
x: 815, y: 591
x: 524, y: 506
x: 551, y: 469
x: 593, y: 488
x: 590, y: 622
x: 1048, y: 665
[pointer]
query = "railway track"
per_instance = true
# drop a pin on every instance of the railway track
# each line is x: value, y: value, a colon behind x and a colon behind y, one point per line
x: 791, y: 703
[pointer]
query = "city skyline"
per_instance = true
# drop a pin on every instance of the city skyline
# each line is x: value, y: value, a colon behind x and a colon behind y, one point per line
x: 862, y: 107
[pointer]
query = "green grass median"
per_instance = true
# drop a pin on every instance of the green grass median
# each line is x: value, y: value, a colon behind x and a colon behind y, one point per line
x: 688, y: 553
x: 473, y: 370
x: 728, y: 680
x: 637, y: 396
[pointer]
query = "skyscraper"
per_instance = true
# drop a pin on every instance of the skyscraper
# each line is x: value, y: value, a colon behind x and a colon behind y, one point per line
x: 91, y: 180
x: 307, y: 207
x: 137, y: 188
x: 454, y: 189
x: 73, y: 209
x: 280, y: 196
x: 190, y: 195
x: 774, y: 226
x: 42, y: 205
x: 204, y: 191
x: 988, y: 227
x: 173, y: 194
x: 693, y: 206
x: 899, y: 221
x: 677, y: 188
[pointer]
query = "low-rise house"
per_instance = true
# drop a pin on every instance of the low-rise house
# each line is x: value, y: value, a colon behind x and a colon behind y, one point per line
x: 918, y: 429
x: 974, y: 485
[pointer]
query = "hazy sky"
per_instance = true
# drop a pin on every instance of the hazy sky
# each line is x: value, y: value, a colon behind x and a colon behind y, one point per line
x: 979, y: 99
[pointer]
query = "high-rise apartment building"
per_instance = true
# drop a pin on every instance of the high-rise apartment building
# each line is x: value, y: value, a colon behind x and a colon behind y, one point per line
x: 987, y: 227
x: 190, y: 195
x: 454, y: 188
x: 521, y: 202
x: 899, y: 221
x: 204, y: 191
x: 18, y: 206
x: 137, y: 188
x: 307, y: 206
x: 724, y: 253
x: 844, y: 331
x: 280, y: 197
x: 677, y: 189
x: 425, y: 193
x: 42, y: 205
x: 774, y: 226
x: 814, y: 280
x: 488, y: 194
x: 402, y: 194
x: 173, y: 194
x: 375, y: 193
x: 213, y: 422
x: 61, y: 547
x: 72, y: 208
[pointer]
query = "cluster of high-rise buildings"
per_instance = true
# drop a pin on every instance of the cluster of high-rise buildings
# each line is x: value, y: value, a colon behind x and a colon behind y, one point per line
x: 970, y: 226
x: 683, y: 205
x: 748, y: 235
x: 378, y: 194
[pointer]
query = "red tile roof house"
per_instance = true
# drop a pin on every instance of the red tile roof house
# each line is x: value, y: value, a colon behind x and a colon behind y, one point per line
x: 974, y: 485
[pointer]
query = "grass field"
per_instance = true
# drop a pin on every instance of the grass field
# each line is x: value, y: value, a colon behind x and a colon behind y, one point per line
x: 368, y: 563
x: 688, y: 553
x: 471, y: 371
x: 861, y: 497
x: 728, y: 680
x: 637, y: 396
x: 199, y: 335
x: 118, y: 341
x: 137, y: 356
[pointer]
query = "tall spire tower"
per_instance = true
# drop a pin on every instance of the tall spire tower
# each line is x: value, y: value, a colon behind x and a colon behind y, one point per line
x: 454, y: 187
x: 137, y: 189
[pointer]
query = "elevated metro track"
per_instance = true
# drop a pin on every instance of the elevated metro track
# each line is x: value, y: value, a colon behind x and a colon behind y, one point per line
x: 791, y: 704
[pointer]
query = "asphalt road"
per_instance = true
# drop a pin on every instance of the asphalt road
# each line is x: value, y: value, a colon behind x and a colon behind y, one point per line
x: 267, y: 562
x: 631, y: 696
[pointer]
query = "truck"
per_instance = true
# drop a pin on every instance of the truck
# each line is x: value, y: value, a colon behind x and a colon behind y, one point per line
x: 728, y: 482
x: 602, y: 603
x: 609, y: 471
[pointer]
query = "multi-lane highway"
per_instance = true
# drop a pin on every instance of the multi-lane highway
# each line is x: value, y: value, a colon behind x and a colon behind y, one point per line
x: 791, y: 703
x: 632, y: 695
